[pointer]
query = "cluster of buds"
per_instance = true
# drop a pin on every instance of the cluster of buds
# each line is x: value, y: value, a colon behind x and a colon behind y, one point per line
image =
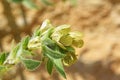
x: 63, y: 37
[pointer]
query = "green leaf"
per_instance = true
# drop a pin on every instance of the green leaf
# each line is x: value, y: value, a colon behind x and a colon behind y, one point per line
x: 51, y: 53
x: 12, y: 57
x: 24, y: 42
x: 50, y: 49
x: 49, y: 66
x: 37, y: 32
x: 14, y: 51
x: 2, y: 58
x: 29, y: 4
x: 47, y: 2
x: 17, y: 51
x: 30, y: 64
x: 49, y: 43
x: 59, y: 67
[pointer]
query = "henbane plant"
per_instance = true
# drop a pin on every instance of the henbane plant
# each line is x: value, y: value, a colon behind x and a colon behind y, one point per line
x: 55, y: 43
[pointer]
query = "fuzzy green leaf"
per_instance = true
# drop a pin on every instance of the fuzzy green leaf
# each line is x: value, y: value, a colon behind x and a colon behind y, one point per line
x: 37, y: 32
x: 49, y: 66
x: 11, y: 59
x: 30, y: 64
x: 50, y: 48
x: 51, y: 53
x: 59, y: 67
x: 2, y: 58
x: 24, y: 42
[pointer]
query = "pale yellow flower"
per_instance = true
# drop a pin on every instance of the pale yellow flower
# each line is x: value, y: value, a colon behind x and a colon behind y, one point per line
x: 77, y: 39
x: 66, y: 40
x: 60, y: 34
x: 69, y: 59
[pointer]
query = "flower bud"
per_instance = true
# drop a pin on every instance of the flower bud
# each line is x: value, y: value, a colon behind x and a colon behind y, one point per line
x: 45, y: 25
x: 34, y: 43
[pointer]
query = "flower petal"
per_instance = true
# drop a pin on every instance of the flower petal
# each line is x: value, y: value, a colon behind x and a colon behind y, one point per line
x: 76, y: 35
x: 78, y: 43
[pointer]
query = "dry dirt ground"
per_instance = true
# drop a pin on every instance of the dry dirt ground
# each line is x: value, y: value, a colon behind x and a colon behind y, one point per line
x: 99, y: 20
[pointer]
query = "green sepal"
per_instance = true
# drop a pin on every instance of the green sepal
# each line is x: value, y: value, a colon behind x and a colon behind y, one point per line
x: 49, y: 66
x: 30, y: 64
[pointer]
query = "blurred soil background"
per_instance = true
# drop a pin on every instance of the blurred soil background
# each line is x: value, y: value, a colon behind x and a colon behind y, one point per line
x: 99, y: 20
